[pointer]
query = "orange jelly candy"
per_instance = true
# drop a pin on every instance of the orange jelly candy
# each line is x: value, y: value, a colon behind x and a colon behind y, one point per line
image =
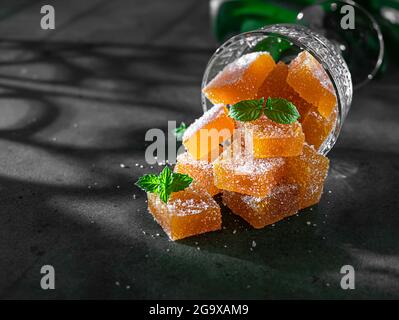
x: 317, y: 128
x: 202, y: 138
x: 241, y: 79
x: 244, y: 174
x: 271, y: 139
x: 308, y: 171
x: 186, y: 214
x: 200, y: 170
x: 282, y: 202
x: 276, y: 86
x: 307, y: 76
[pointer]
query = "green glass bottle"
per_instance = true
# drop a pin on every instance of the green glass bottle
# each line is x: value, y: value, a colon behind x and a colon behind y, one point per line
x: 232, y: 17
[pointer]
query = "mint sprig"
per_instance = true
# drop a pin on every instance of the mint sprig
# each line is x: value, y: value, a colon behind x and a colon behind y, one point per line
x: 179, y: 131
x: 165, y: 183
x: 276, y: 109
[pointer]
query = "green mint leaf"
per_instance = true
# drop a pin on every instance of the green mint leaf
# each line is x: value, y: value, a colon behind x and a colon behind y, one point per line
x: 165, y: 177
x: 180, y: 182
x: 247, y: 110
x: 165, y: 183
x: 281, y: 110
x: 149, y: 183
x: 179, y: 131
x: 164, y: 194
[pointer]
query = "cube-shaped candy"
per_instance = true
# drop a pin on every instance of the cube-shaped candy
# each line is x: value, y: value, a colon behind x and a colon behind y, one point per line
x: 272, y: 139
x: 200, y: 170
x: 276, y: 86
x: 244, y: 174
x: 241, y: 79
x: 282, y: 202
x: 308, y: 77
x: 308, y: 171
x: 202, y: 138
x: 317, y: 128
x: 186, y: 214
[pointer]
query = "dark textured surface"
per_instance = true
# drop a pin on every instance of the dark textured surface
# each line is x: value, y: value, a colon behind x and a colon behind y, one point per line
x: 76, y: 102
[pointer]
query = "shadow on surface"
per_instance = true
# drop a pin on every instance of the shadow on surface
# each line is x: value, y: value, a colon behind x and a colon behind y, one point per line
x: 120, y: 255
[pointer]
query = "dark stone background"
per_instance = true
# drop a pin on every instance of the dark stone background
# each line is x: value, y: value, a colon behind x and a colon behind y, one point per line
x: 76, y: 102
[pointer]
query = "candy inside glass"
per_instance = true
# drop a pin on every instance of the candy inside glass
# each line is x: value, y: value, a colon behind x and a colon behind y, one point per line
x: 284, y: 42
x: 350, y: 56
x: 352, y: 30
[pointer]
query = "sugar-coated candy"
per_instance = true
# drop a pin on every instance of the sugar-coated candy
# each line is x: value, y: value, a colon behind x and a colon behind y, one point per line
x: 308, y: 77
x: 200, y: 170
x: 308, y: 171
x: 237, y: 170
x: 282, y: 202
x: 202, y: 138
x: 241, y: 79
x: 272, y: 139
x: 186, y: 214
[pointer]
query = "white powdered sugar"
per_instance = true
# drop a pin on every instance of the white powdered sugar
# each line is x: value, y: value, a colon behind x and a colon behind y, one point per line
x: 277, y: 192
x: 244, y: 163
x: 201, y: 122
x: 270, y: 129
x: 237, y: 67
x: 186, y: 159
x: 187, y: 207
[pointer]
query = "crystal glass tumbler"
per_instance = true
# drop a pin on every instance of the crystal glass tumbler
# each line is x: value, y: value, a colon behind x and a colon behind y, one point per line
x: 298, y: 38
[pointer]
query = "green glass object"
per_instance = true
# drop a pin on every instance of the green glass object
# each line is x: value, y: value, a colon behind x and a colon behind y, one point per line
x: 231, y: 17
x: 277, y: 47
